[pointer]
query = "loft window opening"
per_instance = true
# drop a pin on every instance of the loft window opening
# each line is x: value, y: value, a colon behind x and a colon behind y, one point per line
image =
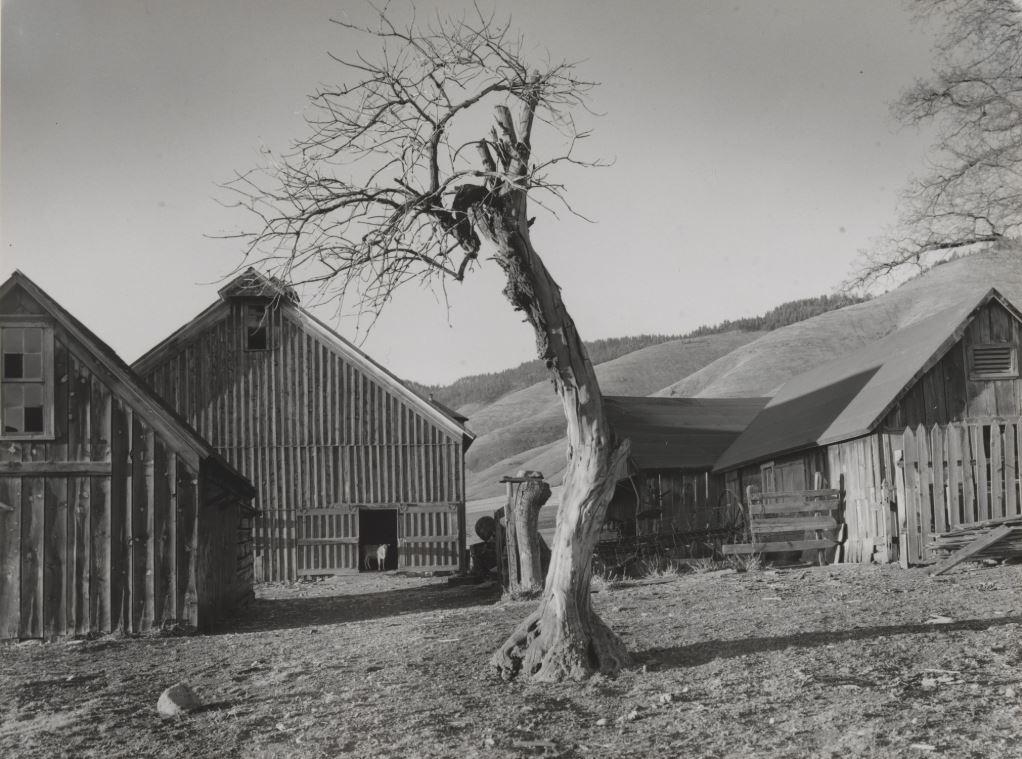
x: 257, y: 333
x: 26, y: 381
x: 993, y: 361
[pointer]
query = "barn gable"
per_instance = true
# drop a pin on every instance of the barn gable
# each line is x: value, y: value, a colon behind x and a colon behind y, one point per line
x: 852, y: 396
x: 108, y: 500
x: 324, y: 432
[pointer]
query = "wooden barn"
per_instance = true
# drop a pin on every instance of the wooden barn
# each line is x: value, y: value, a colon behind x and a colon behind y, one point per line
x: 343, y: 454
x: 674, y: 445
x: 920, y: 432
x: 114, y: 514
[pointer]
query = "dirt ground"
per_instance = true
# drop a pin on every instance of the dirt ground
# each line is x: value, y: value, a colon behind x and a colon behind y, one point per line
x: 841, y: 661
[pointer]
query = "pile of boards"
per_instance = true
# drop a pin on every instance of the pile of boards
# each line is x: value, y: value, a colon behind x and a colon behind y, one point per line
x: 993, y: 539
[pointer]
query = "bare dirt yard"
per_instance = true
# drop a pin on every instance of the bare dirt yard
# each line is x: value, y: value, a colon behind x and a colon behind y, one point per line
x: 841, y: 661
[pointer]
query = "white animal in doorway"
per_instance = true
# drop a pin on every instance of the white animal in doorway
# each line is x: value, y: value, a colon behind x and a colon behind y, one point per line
x: 380, y: 552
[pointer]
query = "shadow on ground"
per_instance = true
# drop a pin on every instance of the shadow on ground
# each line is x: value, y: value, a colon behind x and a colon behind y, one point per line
x: 696, y: 654
x: 277, y: 614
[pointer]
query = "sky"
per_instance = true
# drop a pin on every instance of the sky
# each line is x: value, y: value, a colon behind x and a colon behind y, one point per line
x: 753, y: 157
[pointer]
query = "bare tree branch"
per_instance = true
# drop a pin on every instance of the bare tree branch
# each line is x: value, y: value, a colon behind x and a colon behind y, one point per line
x: 971, y: 195
x: 383, y: 180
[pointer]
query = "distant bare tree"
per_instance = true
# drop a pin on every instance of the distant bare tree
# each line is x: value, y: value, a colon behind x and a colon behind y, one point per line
x: 401, y: 180
x: 972, y: 194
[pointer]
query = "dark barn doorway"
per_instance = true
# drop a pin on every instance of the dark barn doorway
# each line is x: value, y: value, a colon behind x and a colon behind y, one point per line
x: 377, y: 527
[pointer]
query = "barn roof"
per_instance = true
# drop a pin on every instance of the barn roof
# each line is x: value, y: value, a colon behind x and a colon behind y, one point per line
x: 679, y: 433
x: 849, y: 397
x: 128, y: 385
x: 250, y: 284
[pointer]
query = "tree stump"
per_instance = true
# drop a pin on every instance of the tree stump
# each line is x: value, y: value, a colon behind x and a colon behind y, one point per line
x: 527, y: 493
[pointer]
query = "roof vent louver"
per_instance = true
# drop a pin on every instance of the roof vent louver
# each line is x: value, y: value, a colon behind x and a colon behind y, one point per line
x: 995, y: 360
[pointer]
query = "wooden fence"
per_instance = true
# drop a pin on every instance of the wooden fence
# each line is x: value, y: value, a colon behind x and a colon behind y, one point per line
x: 800, y: 520
x: 953, y: 475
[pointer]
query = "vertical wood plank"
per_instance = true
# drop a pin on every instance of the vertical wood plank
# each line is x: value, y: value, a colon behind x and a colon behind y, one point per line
x: 996, y: 467
x: 902, y: 500
x: 187, y: 500
x: 79, y: 536
x: 10, y: 557
x: 938, y: 453
x: 55, y: 574
x: 163, y: 548
x: 120, y: 473
x: 1010, y: 469
x: 925, y: 517
x: 912, y: 493
x: 99, y: 503
x: 955, y: 475
x: 139, y: 524
x: 32, y: 547
x: 149, y: 469
x: 982, y: 472
x: 968, y: 477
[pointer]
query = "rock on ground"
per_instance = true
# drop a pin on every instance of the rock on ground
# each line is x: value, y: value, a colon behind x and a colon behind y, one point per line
x: 176, y: 700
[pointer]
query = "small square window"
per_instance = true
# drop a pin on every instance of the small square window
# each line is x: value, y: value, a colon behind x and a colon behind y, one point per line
x: 14, y: 365
x: 33, y: 419
x: 257, y: 333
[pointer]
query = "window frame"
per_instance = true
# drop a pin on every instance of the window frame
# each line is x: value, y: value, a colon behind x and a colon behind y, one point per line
x: 979, y: 376
x: 263, y: 323
x: 48, y: 380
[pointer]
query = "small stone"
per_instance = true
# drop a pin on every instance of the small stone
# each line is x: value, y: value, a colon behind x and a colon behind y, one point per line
x: 928, y: 683
x: 178, y: 699
x: 489, y: 742
x: 632, y: 715
x: 666, y: 698
x: 770, y: 721
x: 601, y: 722
x: 1009, y: 692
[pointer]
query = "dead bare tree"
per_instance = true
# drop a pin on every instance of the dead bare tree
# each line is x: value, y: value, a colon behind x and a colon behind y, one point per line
x: 971, y: 195
x: 400, y: 181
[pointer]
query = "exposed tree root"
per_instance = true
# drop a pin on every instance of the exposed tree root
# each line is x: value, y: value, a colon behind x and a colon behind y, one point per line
x: 541, y: 650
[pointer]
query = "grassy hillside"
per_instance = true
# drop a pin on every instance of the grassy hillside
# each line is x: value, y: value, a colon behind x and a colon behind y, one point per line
x: 753, y: 368
x: 472, y: 393
x: 532, y: 417
x: 760, y: 367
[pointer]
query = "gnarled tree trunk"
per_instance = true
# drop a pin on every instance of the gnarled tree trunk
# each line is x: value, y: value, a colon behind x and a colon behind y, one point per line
x: 563, y: 638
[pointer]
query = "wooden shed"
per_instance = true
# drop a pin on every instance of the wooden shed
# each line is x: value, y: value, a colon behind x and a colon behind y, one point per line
x: 920, y: 431
x: 114, y: 514
x: 343, y: 454
x: 674, y: 445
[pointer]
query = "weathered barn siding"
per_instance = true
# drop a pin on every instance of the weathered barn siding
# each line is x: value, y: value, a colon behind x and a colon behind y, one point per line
x: 860, y: 468
x: 783, y: 474
x: 680, y: 502
x: 946, y: 393
x: 320, y: 435
x: 898, y: 481
x: 99, y: 518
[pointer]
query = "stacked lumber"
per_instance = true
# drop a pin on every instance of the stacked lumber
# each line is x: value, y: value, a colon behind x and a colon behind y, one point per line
x: 990, y: 539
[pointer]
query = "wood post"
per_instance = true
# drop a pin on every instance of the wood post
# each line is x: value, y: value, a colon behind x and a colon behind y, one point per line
x: 899, y: 486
